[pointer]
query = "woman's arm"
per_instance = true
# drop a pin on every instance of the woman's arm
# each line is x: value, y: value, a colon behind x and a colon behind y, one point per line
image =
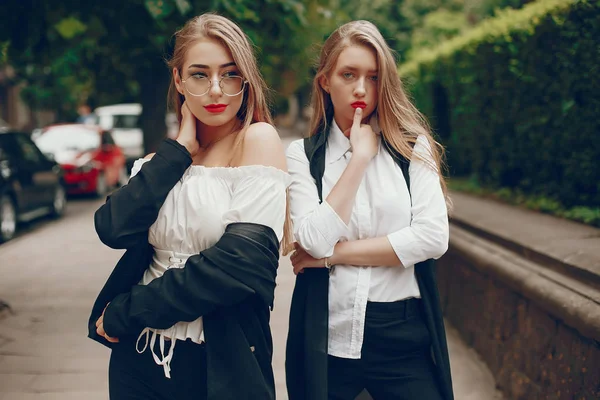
x: 428, y: 234
x: 318, y: 227
x: 239, y: 265
x: 426, y: 237
x: 364, y: 147
x: 207, y: 281
x: 128, y: 213
x: 366, y: 252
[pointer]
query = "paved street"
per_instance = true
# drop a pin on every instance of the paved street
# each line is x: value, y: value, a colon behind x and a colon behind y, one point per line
x: 51, y: 274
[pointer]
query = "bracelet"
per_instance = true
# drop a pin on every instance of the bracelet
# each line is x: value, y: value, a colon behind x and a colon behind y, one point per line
x: 327, y: 265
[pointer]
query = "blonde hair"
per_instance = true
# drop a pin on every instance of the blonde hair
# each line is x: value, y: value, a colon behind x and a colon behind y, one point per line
x: 254, y: 104
x: 401, y: 123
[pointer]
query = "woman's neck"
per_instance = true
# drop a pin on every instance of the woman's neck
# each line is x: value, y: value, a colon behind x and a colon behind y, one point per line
x: 210, y: 134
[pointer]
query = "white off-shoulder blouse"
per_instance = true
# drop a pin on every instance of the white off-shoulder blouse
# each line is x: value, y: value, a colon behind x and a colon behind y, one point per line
x: 193, y: 218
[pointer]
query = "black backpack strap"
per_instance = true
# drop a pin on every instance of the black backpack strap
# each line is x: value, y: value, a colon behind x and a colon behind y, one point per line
x: 402, y: 162
x: 314, y: 148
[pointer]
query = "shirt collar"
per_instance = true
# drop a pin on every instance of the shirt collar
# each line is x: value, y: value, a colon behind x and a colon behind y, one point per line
x: 339, y: 144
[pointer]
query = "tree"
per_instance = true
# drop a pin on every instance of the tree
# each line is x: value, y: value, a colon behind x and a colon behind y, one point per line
x: 70, y: 51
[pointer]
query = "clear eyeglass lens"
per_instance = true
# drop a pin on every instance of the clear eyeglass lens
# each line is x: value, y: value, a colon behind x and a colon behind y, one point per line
x: 230, y: 85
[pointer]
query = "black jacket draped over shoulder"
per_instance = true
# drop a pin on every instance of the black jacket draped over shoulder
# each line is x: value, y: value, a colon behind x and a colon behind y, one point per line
x: 231, y: 285
x: 307, y: 342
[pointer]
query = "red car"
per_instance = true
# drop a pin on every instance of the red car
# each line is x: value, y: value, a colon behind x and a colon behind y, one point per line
x: 91, y: 160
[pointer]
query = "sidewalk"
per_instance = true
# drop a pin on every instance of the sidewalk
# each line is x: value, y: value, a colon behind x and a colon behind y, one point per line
x: 569, y: 251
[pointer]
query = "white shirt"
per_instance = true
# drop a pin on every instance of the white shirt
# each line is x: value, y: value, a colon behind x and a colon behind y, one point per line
x: 382, y: 208
x: 194, y: 217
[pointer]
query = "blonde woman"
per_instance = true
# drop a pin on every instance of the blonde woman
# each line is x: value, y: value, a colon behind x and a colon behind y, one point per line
x: 369, y: 212
x: 202, y: 220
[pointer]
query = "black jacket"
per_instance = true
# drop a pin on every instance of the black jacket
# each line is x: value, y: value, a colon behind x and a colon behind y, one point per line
x: 231, y: 285
x: 306, y: 351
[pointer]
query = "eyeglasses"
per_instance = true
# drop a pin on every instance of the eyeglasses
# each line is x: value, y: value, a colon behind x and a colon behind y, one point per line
x: 200, y: 85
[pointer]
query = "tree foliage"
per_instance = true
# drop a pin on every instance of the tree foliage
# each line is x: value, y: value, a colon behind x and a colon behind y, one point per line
x: 515, y: 100
x: 69, y: 51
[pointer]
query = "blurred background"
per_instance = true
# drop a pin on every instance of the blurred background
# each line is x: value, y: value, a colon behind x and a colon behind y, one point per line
x: 511, y: 88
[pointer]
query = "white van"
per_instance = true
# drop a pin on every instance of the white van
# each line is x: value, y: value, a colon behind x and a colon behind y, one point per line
x: 123, y: 121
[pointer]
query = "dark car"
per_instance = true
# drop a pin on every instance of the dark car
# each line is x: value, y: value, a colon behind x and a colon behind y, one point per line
x: 30, y: 184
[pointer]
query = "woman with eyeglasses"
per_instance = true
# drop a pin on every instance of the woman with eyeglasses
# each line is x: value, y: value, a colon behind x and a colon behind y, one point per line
x: 186, y: 310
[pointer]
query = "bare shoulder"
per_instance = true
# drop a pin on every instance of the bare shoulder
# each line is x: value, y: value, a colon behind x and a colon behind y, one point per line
x: 262, y: 132
x: 149, y: 156
x: 262, y: 146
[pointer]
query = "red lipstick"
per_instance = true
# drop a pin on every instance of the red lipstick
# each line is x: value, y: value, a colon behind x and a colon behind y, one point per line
x: 359, y: 104
x: 215, y: 108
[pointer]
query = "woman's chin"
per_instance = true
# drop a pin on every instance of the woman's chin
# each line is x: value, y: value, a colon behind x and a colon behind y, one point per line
x: 215, y: 120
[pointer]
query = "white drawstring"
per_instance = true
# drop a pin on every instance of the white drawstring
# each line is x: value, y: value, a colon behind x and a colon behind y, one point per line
x: 175, y: 260
x: 166, y: 361
x: 146, y: 332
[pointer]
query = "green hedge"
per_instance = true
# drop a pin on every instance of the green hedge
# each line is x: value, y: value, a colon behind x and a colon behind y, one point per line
x: 516, y: 100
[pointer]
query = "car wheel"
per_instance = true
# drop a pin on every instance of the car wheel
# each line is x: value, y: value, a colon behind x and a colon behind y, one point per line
x: 60, y: 202
x: 8, y: 219
x: 101, y: 186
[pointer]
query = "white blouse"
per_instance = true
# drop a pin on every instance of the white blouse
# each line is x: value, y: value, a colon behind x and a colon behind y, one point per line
x: 415, y: 224
x: 193, y: 218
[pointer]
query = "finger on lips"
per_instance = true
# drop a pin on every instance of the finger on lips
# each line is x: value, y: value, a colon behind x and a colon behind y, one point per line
x: 357, y: 116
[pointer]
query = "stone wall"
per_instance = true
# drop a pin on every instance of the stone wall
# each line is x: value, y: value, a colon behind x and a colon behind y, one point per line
x: 515, y: 319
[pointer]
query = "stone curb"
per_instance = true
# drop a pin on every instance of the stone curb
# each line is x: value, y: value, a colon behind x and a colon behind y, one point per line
x: 529, y: 253
x: 577, y: 311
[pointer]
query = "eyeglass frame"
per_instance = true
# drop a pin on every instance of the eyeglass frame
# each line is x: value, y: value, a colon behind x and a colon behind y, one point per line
x: 244, y: 81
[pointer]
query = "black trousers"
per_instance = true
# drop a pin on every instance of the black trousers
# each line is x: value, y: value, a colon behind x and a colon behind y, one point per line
x: 134, y: 376
x: 395, y: 361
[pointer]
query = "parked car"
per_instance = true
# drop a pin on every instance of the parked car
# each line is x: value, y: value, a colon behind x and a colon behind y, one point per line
x: 91, y: 160
x: 31, y: 185
x: 123, y: 121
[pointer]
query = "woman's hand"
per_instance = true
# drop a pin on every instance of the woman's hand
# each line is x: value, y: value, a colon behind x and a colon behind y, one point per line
x: 187, y: 131
x: 100, y: 328
x: 301, y: 259
x: 362, y: 138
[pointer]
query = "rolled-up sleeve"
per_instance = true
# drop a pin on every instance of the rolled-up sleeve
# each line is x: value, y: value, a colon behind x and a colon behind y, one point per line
x: 317, y: 227
x: 428, y: 234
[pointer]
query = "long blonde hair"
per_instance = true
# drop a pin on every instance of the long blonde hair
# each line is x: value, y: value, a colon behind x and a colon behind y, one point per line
x: 401, y: 123
x: 254, y: 104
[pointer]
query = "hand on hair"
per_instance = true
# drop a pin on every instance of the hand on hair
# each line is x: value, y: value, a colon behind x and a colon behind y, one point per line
x: 362, y: 138
x: 187, y: 131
